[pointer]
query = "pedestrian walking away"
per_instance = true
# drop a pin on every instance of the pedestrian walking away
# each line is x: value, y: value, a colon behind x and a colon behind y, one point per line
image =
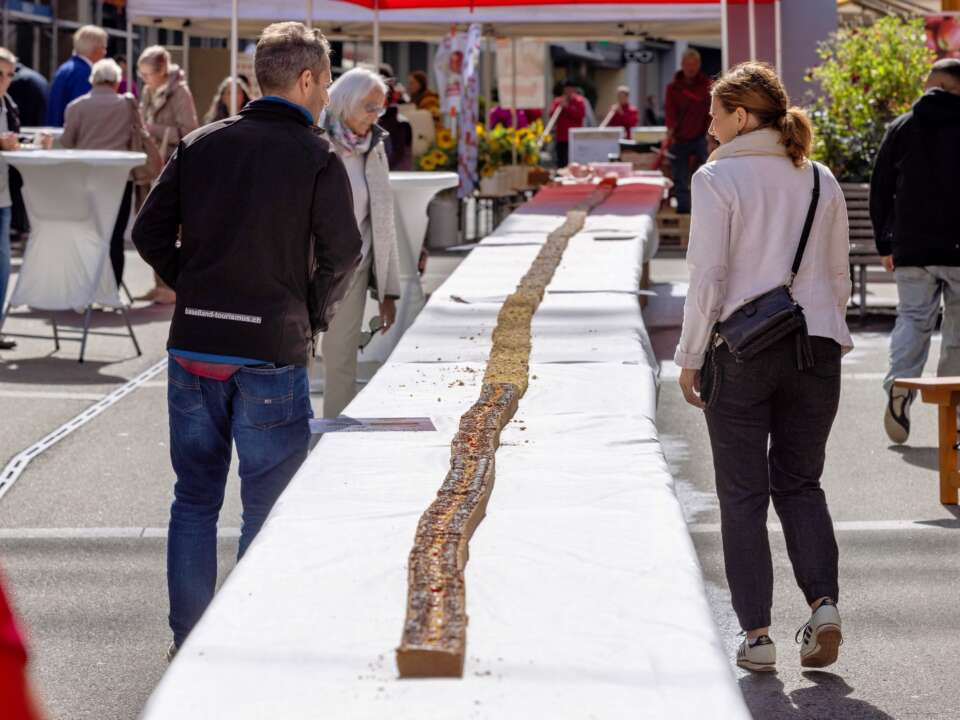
x: 914, y: 184
x: 259, y: 260
x: 768, y: 415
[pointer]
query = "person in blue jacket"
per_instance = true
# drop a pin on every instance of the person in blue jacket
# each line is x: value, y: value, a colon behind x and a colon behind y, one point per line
x: 72, y: 79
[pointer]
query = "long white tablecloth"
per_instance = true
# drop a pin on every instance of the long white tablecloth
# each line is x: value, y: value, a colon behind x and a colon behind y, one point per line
x: 584, y: 593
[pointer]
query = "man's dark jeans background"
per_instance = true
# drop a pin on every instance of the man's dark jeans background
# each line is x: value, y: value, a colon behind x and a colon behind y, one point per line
x: 682, y: 152
x: 267, y: 411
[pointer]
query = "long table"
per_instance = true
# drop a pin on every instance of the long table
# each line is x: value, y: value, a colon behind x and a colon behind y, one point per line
x: 584, y: 593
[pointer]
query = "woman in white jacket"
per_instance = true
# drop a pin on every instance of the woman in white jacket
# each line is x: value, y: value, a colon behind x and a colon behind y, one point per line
x: 768, y: 419
x: 356, y: 101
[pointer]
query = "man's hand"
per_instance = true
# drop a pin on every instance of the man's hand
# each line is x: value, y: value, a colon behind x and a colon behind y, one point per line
x: 887, y: 261
x: 388, y: 313
x: 9, y: 141
x: 45, y: 141
x: 690, y: 385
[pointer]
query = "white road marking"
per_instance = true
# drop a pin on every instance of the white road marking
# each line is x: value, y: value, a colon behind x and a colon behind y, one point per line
x: 18, y: 464
x: 96, y: 533
x: 851, y: 526
x: 48, y: 395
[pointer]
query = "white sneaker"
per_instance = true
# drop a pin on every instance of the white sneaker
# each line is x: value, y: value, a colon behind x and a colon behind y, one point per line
x: 759, y: 655
x: 896, y: 419
x: 822, y: 637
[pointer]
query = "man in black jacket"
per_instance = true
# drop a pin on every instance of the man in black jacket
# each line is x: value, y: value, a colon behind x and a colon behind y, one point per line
x: 252, y: 224
x: 913, y: 195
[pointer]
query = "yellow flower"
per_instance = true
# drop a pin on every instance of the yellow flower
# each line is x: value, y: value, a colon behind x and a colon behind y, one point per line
x: 444, y: 139
x: 427, y: 163
x: 438, y: 156
x: 481, y: 130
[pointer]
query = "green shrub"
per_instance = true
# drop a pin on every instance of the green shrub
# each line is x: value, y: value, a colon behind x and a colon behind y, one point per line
x: 869, y: 76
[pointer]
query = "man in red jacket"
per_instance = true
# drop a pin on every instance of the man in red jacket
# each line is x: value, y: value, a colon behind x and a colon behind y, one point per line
x: 625, y: 115
x: 574, y: 109
x: 688, y: 117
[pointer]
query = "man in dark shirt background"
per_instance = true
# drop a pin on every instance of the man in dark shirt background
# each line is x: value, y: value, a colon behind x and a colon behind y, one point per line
x: 688, y: 117
x: 913, y: 198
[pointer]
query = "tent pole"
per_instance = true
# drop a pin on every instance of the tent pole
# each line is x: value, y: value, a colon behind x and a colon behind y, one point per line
x: 185, y: 65
x: 487, y: 80
x: 131, y: 61
x: 234, y: 42
x: 752, y: 23
x: 778, y: 36
x: 724, y: 37
x: 376, y: 34
x: 310, y: 14
x: 513, y: 90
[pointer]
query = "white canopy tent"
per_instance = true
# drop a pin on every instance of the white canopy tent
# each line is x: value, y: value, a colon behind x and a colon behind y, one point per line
x: 344, y: 20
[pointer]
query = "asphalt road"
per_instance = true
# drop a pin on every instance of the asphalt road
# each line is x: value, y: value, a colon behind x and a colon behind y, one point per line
x: 82, y: 550
x: 899, y: 575
x: 82, y: 545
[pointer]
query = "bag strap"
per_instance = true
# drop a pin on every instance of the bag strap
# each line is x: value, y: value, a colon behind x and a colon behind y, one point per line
x: 807, y: 224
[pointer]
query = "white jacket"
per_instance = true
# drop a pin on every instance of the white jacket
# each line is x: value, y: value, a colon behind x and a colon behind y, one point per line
x: 749, y: 205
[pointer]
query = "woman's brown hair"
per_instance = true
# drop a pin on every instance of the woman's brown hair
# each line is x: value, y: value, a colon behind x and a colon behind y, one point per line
x: 755, y: 87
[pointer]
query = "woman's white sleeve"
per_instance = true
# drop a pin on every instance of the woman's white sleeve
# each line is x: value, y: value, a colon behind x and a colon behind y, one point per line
x: 707, y: 257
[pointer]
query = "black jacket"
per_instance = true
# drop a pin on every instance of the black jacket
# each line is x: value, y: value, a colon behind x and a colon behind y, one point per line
x: 31, y: 90
x: 914, y: 189
x: 252, y: 216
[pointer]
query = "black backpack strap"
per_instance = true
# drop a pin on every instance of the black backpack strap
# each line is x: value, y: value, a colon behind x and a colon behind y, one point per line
x: 808, y: 223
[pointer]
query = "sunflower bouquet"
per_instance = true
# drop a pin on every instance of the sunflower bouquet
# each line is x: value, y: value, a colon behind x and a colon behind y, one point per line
x: 442, y: 154
x: 496, y: 146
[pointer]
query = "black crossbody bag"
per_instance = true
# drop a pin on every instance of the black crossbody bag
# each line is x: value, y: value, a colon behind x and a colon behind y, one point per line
x: 766, y: 319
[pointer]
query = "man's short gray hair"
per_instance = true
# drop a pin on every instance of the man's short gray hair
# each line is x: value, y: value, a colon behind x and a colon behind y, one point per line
x: 284, y: 51
x: 106, y: 72
x: 8, y: 57
x: 348, y: 92
x: 89, y: 38
x: 691, y: 53
x: 155, y: 58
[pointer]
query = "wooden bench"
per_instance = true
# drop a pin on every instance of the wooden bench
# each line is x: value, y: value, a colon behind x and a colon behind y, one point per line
x: 944, y: 392
x: 863, y: 246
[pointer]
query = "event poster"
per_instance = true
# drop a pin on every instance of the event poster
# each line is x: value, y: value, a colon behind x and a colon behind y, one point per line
x: 448, y: 69
x: 943, y: 35
x: 531, y: 82
x: 469, y: 112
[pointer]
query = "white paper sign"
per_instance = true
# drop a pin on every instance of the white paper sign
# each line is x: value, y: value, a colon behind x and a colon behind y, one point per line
x: 531, y: 84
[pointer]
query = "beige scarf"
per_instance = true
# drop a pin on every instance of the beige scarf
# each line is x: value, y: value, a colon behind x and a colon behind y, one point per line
x: 763, y: 141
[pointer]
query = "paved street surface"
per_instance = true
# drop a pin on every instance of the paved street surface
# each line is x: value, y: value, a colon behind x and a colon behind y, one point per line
x: 82, y: 545
x: 82, y: 530
x: 899, y: 574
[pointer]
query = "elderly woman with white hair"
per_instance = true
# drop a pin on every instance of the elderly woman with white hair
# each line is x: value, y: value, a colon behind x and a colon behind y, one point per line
x: 356, y: 101
x: 105, y: 120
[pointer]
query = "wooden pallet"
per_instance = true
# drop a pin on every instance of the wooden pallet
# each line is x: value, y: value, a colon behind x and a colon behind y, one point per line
x: 673, y: 229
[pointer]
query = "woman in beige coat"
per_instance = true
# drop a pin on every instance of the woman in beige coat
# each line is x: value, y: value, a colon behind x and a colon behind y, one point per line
x: 169, y: 114
x: 356, y: 101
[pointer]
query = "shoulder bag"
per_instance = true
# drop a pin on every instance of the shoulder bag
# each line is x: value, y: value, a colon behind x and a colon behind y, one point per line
x: 766, y: 319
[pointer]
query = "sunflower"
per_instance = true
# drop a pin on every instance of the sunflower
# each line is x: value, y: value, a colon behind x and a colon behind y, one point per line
x: 444, y: 139
x: 427, y: 163
x: 438, y: 156
x: 481, y: 130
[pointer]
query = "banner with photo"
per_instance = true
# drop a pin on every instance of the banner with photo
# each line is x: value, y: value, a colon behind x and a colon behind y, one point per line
x: 943, y: 34
x: 470, y: 112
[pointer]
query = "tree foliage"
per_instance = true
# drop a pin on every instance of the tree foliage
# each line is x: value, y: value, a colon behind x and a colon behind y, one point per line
x: 869, y: 76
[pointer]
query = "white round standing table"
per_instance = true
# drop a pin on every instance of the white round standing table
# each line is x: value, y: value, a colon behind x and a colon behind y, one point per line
x: 72, y: 199
x: 412, y: 192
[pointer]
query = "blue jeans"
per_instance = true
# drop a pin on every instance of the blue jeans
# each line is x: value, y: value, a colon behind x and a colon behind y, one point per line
x: 266, y: 413
x: 682, y: 152
x: 919, y: 290
x: 5, y: 215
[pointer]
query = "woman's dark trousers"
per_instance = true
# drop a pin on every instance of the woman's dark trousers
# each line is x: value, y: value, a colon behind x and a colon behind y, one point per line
x: 768, y: 429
